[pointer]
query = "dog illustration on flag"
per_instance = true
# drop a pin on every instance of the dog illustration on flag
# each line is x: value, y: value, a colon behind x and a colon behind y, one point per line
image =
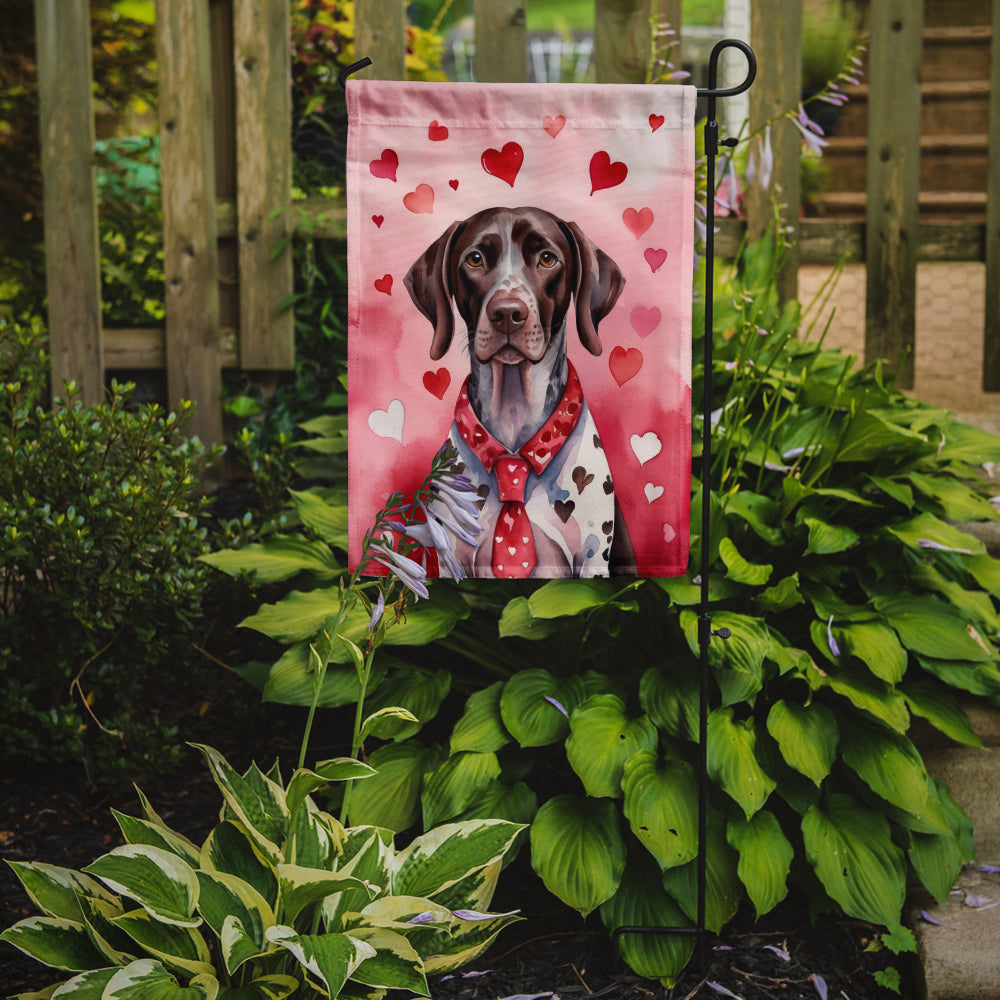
x: 523, y: 432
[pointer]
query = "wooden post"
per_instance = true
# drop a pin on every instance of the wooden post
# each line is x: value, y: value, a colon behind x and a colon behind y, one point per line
x: 892, y: 213
x: 991, y: 333
x: 262, y: 61
x: 190, y: 254
x: 380, y: 34
x: 72, y: 255
x: 501, y: 41
x: 623, y: 37
x: 776, y: 35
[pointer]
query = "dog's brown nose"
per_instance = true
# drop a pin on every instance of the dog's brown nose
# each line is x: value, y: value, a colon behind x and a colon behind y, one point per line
x: 507, y: 315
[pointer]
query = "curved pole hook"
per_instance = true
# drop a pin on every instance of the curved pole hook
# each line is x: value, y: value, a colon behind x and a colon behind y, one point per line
x: 713, y: 69
x: 353, y: 68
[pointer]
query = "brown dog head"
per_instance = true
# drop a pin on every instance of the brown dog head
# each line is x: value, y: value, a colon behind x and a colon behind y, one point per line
x: 513, y: 273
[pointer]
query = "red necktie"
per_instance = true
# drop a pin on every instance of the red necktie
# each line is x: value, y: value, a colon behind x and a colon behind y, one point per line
x: 513, y: 541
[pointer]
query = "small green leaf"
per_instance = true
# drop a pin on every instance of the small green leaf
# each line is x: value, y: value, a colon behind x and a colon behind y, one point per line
x: 562, y: 598
x: 671, y: 699
x: 732, y: 760
x: 828, y: 539
x: 535, y: 706
x: 739, y: 569
x: 279, y: 558
x: 391, y: 798
x: 481, y: 727
x: 456, y: 784
x: 807, y: 736
x: 765, y: 858
x: 327, y: 520
x: 888, y: 763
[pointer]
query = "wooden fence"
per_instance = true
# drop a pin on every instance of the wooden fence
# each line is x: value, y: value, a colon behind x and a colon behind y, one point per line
x: 226, y: 161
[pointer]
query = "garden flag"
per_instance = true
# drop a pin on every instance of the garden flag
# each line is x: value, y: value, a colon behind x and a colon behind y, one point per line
x: 520, y: 275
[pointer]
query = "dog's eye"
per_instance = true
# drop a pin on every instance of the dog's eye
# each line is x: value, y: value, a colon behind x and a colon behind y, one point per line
x: 547, y: 259
x: 475, y: 259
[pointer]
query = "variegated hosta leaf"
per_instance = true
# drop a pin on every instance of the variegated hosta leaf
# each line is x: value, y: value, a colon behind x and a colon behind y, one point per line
x: 395, y: 964
x: 98, y: 915
x: 86, y: 986
x: 274, y: 987
x: 367, y: 853
x: 850, y: 847
x: 888, y: 763
x: 807, y: 736
x: 56, y: 891
x: 481, y: 727
x: 315, y: 838
x: 141, y: 831
x: 391, y: 799
x: 467, y: 940
x: 417, y: 690
x: 602, y: 737
x: 147, y: 979
x: 661, y: 799
x: 456, y: 784
x: 177, y: 947
x: 54, y: 941
x: 158, y: 880
x: 301, y: 887
x: 304, y: 782
x: 476, y: 890
x: 535, y: 706
x: 578, y: 851
x: 230, y: 849
x: 642, y: 902
x: 329, y: 959
x: 732, y: 760
x: 441, y: 857
x: 225, y: 897
x: 765, y: 858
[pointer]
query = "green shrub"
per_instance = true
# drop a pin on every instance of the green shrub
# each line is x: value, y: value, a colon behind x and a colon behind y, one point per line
x: 101, y: 584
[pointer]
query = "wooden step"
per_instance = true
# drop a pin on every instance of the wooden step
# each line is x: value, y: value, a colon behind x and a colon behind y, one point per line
x: 957, y: 206
x: 956, y: 53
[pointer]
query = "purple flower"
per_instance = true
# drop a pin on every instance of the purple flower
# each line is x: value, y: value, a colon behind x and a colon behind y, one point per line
x: 811, y: 132
x: 475, y: 915
x: 927, y: 543
x: 427, y: 917
x: 761, y: 163
x: 820, y: 983
x: 411, y: 574
x: 834, y: 648
x: 558, y: 705
x: 719, y: 988
x: 377, y: 611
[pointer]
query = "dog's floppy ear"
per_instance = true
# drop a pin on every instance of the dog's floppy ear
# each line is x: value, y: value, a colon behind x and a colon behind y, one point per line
x: 599, y: 282
x: 429, y: 287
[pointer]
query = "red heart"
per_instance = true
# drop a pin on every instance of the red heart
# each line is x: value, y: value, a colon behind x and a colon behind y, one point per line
x: 637, y: 222
x: 655, y: 258
x: 553, y: 125
x: 644, y: 321
x: 453, y: 185
x: 378, y: 220
x: 604, y: 173
x: 655, y: 121
x: 436, y: 383
x: 504, y: 163
x: 437, y: 133
x: 624, y: 364
x: 421, y: 200
x: 385, y: 166
x: 384, y: 284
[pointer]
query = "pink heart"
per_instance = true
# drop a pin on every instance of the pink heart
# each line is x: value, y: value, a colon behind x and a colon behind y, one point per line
x: 553, y: 125
x: 504, y: 163
x: 604, y: 173
x: 668, y: 533
x: 421, y: 200
x: 385, y: 166
x: 384, y: 284
x: 436, y: 133
x: 655, y: 258
x: 378, y: 220
x: 655, y: 121
x: 453, y: 185
x: 644, y: 321
x: 637, y: 222
x: 624, y: 364
x: 437, y: 382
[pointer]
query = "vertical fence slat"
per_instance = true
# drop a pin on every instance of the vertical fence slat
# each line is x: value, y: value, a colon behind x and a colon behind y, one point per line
x: 991, y: 333
x: 72, y: 257
x: 190, y: 253
x: 501, y: 41
x: 380, y: 34
x: 776, y: 35
x: 622, y: 39
x: 261, y: 58
x: 892, y: 214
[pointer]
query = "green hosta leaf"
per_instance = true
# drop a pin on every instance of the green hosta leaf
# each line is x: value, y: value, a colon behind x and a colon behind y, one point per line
x: 937, y: 860
x: 456, y: 784
x: 438, y: 859
x: 850, y: 847
x: 159, y: 881
x: 180, y: 948
x: 516, y: 803
x: 535, y: 706
x: 275, y: 987
x: 986, y: 572
x: 758, y: 511
x: 391, y: 798
x: 602, y: 738
x: 957, y: 501
x: 517, y: 620
x: 230, y: 849
x: 876, y: 646
x: 226, y: 898
x: 56, y: 891
x: 327, y: 520
x: 975, y: 605
x: 765, y: 858
x: 866, y: 692
x: 683, y: 591
x: 304, y: 782
x: 54, y: 941
x: 561, y: 598
x: 387, y: 723
x: 395, y: 964
x: 292, y: 681
x: 965, y: 443
x: 279, y: 558
x: 671, y: 699
x: 141, y: 831
x: 147, y: 979
x: 827, y: 539
x: 928, y: 528
x: 578, y: 851
x: 976, y: 678
x: 931, y: 628
x: 870, y: 436
x: 330, y: 959
x: 301, y: 887
x: 783, y: 595
x: 732, y: 760
x: 416, y: 690
x: 752, y: 574
x: 641, y: 901
x: 481, y: 728
x: 888, y: 763
x: 807, y: 736
x: 941, y: 709
x: 738, y: 661
x: 893, y: 488
x: 661, y: 798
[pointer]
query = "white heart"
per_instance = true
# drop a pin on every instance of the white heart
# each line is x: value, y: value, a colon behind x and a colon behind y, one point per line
x: 511, y: 549
x: 653, y: 492
x: 668, y: 533
x: 388, y: 423
x: 645, y: 446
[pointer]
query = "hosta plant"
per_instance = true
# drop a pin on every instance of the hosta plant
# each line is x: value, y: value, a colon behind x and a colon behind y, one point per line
x: 279, y: 900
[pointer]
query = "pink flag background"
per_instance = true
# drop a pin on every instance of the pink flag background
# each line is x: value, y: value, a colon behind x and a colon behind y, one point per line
x: 617, y: 160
